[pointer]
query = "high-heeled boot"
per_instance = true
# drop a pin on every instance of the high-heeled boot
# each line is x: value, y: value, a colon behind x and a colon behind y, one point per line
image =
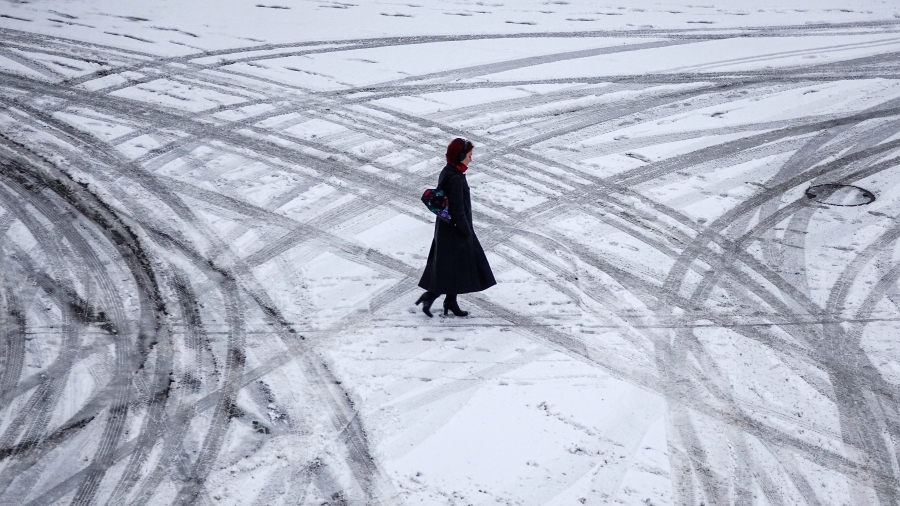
x: 427, y: 299
x: 450, y: 304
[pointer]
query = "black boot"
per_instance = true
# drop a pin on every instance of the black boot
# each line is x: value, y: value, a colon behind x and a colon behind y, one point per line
x: 450, y: 304
x: 427, y: 299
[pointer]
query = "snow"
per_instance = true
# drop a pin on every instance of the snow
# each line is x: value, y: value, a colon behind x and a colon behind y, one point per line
x: 177, y: 95
x: 710, y: 56
x: 212, y: 239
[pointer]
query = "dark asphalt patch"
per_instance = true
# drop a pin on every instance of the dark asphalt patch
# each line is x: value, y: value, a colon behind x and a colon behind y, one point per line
x: 836, y: 194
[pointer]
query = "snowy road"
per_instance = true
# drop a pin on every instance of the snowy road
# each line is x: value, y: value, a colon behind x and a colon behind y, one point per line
x: 209, y: 261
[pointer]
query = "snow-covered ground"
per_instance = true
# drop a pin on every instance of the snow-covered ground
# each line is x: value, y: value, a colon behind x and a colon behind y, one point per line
x: 210, y: 239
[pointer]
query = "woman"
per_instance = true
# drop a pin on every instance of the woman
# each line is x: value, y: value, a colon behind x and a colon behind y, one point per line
x: 456, y: 262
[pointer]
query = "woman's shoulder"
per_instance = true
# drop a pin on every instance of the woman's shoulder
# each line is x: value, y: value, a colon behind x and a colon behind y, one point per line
x: 451, y: 171
x: 448, y: 172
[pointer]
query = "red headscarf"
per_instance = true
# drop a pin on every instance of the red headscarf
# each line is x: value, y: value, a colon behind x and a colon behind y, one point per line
x: 456, y: 151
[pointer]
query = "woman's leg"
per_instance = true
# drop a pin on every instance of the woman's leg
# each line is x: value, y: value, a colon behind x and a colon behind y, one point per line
x: 450, y: 304
x: 427, y: 299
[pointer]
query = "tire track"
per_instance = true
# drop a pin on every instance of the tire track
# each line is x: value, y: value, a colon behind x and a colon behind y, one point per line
x: 356, y: 441
x: 13, y: 336
x: 132, y: 255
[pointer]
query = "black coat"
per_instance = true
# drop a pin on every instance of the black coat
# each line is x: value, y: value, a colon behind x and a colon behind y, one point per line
x: 456, y: 262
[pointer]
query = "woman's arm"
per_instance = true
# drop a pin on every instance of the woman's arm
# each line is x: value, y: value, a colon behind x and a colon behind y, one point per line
x: 454, y: 191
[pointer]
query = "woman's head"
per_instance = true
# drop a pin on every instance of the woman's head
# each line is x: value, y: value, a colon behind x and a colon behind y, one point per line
x: 458, y: 151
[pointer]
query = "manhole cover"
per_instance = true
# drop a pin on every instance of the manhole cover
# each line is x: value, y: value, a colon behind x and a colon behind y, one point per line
x: 840, y: 194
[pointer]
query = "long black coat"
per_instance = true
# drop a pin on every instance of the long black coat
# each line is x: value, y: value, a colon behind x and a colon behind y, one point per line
x: 456, y: 262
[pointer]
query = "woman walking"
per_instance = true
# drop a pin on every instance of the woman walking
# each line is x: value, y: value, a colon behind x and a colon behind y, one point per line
x: 456, y: 263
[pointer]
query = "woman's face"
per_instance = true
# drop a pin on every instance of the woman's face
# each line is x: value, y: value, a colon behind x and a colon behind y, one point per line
x: 468, y: 159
